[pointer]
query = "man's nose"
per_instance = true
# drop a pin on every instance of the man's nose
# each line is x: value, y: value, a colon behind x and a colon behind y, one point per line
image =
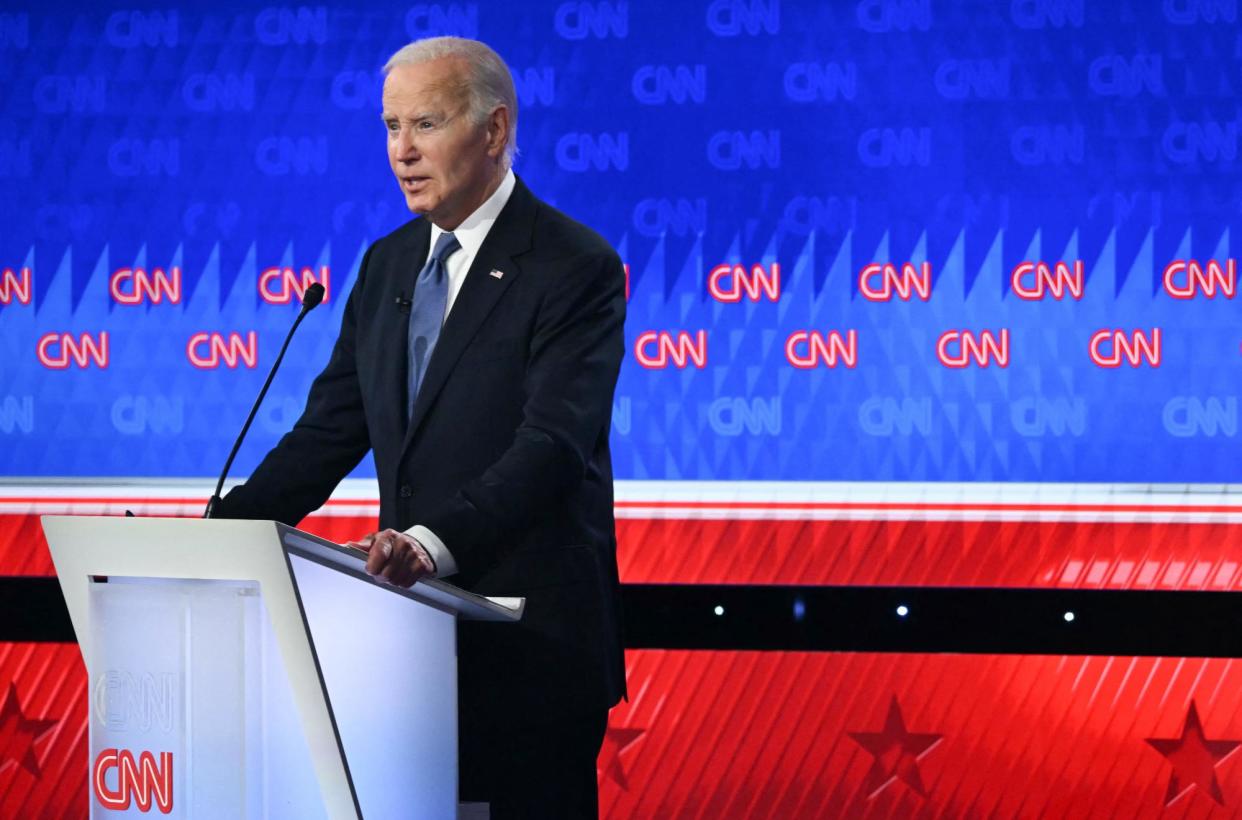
x: 406, y: 150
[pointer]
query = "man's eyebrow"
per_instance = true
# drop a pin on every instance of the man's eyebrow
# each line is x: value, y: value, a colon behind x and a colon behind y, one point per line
x: 419, y: 115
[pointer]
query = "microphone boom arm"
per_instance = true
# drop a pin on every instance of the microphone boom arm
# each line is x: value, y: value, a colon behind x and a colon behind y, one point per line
x: 310, y: 300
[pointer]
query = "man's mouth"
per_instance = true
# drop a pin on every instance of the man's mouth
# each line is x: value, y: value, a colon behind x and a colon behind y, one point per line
x: 413, y: 183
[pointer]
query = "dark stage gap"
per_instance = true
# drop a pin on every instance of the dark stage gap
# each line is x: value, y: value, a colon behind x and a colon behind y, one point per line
x: 846, y: 619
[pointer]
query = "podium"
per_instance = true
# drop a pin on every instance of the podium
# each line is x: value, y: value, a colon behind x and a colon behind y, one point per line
x: 248, y: 669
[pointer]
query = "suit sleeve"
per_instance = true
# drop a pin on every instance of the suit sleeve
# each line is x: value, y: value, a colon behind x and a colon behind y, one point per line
x: 572, y: 369
x: 328, y: 440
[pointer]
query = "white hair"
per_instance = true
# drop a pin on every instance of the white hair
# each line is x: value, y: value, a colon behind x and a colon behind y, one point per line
x: 489, y: 84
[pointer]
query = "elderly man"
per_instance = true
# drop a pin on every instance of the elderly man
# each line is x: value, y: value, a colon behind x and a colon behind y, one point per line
x: 477, y: 360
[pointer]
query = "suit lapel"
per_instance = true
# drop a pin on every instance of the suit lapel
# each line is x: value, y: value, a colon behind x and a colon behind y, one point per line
x: 479, y: 295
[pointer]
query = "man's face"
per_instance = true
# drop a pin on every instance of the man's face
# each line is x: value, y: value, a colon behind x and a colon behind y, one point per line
x: 444, y: 162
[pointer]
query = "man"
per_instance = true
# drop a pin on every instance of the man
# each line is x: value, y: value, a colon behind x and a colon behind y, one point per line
x: 477, y: 360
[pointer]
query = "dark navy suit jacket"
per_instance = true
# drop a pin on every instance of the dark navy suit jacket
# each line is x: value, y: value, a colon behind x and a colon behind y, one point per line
x: 505, y: 458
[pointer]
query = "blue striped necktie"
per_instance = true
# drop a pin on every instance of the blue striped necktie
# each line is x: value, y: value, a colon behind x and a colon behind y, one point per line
x: 427, y: 314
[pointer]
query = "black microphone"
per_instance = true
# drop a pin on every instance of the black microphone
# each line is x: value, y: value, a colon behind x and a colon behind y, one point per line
x: 404, y: 303
x: 310, y: 300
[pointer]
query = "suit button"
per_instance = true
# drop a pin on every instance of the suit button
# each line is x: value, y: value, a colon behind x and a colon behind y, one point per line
x: 405, y: 491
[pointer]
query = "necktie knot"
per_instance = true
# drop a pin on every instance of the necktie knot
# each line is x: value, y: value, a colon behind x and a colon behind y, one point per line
x: 445, y: 247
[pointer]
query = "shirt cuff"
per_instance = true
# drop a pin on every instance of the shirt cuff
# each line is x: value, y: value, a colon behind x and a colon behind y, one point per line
x: 445, y: 565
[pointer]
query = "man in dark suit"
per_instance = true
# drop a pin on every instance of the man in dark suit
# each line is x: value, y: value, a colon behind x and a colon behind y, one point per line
x: 477, y: 360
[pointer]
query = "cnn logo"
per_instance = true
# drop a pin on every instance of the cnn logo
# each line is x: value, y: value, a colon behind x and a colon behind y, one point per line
x: 728, y: 283
x: 878, y: 282
x: 118, y: 780
x: 133, y: 286
x: 59, y: 351
x: 961, y: 348
x: 281, y: 286
x: 1032, y: 281
x: 1110, y: 348
x: 657, y: 349
x: 207, y: 351
x: 1185, y: 278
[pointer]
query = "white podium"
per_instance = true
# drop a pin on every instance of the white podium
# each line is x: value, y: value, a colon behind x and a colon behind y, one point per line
x: 246, y: 669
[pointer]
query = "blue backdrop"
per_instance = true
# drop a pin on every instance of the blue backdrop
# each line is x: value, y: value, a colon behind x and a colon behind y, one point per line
x: 197, y: 152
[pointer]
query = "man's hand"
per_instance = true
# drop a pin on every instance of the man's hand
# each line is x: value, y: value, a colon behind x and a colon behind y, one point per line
x: 395, y: 557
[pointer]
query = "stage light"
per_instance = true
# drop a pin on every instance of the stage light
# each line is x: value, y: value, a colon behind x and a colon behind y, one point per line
x: 719, y: 610
x: 799, y: 609
x: 903, y: 611
x: 1069, y: 616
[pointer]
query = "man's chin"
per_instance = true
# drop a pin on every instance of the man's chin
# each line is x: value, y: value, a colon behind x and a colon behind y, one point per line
x: 426, y: 210
x: 419, y: 203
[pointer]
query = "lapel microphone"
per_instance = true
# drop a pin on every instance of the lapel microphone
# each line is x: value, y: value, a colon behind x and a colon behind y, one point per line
x: 310, y: 300
x: 403, y: 303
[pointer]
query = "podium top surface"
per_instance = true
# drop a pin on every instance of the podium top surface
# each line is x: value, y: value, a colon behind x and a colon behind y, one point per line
x: 432, y: 591
x: 231, y: 549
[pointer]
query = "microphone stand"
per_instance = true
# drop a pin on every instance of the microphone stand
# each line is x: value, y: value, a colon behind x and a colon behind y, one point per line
x: 310, y: 300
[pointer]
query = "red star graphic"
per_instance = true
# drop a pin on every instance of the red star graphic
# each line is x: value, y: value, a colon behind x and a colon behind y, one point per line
x: 616, y: 740
x: 1194, y: 758
x: 896, y: 751
x: 19, y: 733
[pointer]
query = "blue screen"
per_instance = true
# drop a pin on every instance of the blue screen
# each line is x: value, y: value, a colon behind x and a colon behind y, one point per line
x: 878, y: 240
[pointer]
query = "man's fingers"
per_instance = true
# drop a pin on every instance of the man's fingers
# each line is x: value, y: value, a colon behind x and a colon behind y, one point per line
x: 409, y: 563
x: 397, y: 572
x: 394, y: 573
x: 364, y: 543
x: 375, y: 562
x: 393, y: 557
x: 379, y: 552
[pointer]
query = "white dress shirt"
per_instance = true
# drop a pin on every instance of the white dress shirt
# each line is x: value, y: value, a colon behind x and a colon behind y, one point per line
x: 470, y: 234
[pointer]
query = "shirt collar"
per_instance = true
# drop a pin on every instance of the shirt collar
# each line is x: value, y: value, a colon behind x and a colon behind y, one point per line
x: 474, y: 228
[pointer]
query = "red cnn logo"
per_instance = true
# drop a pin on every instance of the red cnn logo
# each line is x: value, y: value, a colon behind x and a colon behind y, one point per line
x: 57, y: 350
x: 1133, y: 348
x: 1032, y: 280
x: 280, y: 286
x: 806, y: 349
x: 15, y: 285
x: 680, y: 350
x: 727, y: 283
x: 133, y: 286
x: 1195, y: 279
x: 207, y: 351
x: 878, y: 282
x: 142, y: 782
x: 981, y: 350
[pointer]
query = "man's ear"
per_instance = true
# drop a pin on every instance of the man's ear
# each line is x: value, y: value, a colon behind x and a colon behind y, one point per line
x: 498, y: 131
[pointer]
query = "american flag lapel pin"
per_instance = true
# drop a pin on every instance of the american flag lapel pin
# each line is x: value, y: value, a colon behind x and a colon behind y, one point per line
x: 497, y: 274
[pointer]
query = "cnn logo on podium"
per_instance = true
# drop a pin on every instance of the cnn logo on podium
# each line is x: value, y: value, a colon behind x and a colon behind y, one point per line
x: 117, y: 780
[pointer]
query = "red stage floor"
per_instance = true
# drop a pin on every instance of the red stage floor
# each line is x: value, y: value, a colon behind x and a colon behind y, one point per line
x: 711, y: 734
